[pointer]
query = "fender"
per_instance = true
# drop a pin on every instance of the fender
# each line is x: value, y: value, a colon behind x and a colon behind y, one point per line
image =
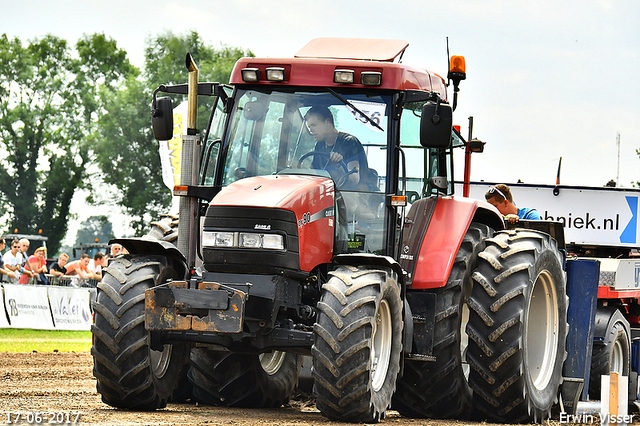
x: 370, y: 259
x: 606, y: 316
x: 445, y: 231
x: 145, y: 245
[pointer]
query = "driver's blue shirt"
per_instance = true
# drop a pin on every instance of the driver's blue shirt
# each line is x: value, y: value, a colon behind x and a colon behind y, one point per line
x: 528, y: 214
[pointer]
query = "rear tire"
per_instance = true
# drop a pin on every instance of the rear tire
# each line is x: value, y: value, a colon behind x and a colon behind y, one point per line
x: 243, y: 380
x: 439, y: 389
x: 165, y: 229
x: 517, y: 327
x: 129, y: 373
x: 358, y: 344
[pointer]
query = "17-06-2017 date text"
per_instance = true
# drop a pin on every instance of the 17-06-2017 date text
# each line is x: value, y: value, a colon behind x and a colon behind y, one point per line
x: 42, y: 417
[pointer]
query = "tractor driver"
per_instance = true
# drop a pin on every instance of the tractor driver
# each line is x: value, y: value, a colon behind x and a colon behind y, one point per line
x: 339, y: 147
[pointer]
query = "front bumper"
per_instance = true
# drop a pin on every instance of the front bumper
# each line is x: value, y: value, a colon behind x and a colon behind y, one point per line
x: 211, y: 307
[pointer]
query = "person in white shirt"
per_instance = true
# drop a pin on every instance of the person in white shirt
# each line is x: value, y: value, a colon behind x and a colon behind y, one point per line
x: 12, y: 260
x: 95, y: 265
x: 3, y: 270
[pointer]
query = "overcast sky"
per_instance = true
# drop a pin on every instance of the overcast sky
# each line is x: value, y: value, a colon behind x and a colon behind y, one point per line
x: 545, y: 78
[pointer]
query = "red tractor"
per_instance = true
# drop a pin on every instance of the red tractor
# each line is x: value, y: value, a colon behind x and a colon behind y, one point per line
x: 287, y: 249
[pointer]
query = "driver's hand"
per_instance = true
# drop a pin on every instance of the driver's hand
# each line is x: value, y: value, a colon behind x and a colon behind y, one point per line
x: 335, y: 157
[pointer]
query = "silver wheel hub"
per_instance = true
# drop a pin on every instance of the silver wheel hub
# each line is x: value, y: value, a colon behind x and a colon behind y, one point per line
x: 381, y: 345
x: 160, y: 360
x: 542, y: 328
x: 272, y: 361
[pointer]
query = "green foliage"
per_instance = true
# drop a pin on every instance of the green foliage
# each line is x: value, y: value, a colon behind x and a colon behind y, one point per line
x: 48, y: 111
x: 126, y: 150
x: 165, y: 59
x: 94, y: 227
x: 62, y: 111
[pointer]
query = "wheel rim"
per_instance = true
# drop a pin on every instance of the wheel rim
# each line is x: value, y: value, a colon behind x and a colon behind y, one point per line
x: 464, y: 341
x: 617, y: 358
x: 542, y: 328
x: 272, y: 361
x: 381, y: 345
x: 160, y: 360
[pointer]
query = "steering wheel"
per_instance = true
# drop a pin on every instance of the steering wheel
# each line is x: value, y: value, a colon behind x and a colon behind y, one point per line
x: 339, y: 182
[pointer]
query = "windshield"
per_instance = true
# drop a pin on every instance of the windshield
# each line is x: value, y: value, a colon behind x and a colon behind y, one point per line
x: 269, y: 133
x: 317, y: 133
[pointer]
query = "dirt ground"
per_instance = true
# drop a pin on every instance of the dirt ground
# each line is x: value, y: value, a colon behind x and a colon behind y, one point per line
x: 60, y: 387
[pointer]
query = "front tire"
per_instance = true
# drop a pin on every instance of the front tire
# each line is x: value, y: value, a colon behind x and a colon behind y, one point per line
x: 243, y: 380
x: 129, y: 373
x: 358, y: 344
x: 517, y: 326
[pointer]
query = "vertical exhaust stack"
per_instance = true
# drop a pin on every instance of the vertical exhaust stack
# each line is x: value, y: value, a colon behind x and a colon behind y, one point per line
x: 187, y: 228
x: 193, y: 95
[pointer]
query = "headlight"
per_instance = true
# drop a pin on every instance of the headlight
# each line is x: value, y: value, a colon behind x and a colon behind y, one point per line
x: 250, y: 240
x: 273, y: 241
x: 217, y: 239
x: 266, y: 241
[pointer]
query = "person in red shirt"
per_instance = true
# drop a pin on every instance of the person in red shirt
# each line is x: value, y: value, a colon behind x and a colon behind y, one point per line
x: 38, y: 264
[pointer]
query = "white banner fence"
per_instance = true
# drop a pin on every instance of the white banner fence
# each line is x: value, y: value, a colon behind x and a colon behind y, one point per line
x: 45, y: 307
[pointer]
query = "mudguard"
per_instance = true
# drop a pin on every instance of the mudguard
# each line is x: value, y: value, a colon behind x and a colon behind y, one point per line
x: 604, y: 317
x: 433, y: 234
x: 146, y: 245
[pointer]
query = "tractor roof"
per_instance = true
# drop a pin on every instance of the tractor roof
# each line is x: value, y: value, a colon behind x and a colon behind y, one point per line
x: 315, y: 64
x: 353, y: 48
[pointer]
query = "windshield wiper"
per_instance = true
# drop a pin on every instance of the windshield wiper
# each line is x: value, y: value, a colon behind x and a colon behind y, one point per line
x: 350, y: 105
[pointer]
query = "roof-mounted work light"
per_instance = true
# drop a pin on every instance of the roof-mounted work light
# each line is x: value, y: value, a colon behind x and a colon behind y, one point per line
x: 371, y: 78
x: 275, y: 74
x: 250, y: 75
x: 344, y: 76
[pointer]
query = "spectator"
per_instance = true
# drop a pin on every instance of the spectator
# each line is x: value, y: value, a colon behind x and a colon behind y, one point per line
x: 59, y: 269
x: 38, y: 264
x: 96, y: 264
x: 3, y: 270
x: 26, y: 270
x: 12, y: 261
x: 500, y: 197
x: 79, y: 267
x: 116, y: 249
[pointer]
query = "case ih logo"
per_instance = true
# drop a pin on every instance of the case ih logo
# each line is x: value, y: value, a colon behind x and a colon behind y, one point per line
x: 262, y: 227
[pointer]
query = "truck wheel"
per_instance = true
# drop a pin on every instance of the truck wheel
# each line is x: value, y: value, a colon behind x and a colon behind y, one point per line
x: 612, y: 356
x: 439, y: 389
x: 358, y: 344
x: 517, y: 326
x: 130, y: 374
x: 165, y: 229
x: 243, y: 380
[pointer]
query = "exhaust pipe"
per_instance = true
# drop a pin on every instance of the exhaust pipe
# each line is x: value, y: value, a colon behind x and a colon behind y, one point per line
x: 188, y: 226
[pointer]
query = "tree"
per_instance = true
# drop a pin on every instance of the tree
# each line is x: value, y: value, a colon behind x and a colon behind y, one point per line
x: 125, y: 148
x: 48, y: 110
x: 94, y: 228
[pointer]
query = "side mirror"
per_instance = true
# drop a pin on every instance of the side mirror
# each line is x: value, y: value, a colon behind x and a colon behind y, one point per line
x: 436, y: 124
x: 162, y: 119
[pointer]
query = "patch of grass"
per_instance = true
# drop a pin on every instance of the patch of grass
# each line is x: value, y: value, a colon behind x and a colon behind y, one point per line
x: 26, y: 340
